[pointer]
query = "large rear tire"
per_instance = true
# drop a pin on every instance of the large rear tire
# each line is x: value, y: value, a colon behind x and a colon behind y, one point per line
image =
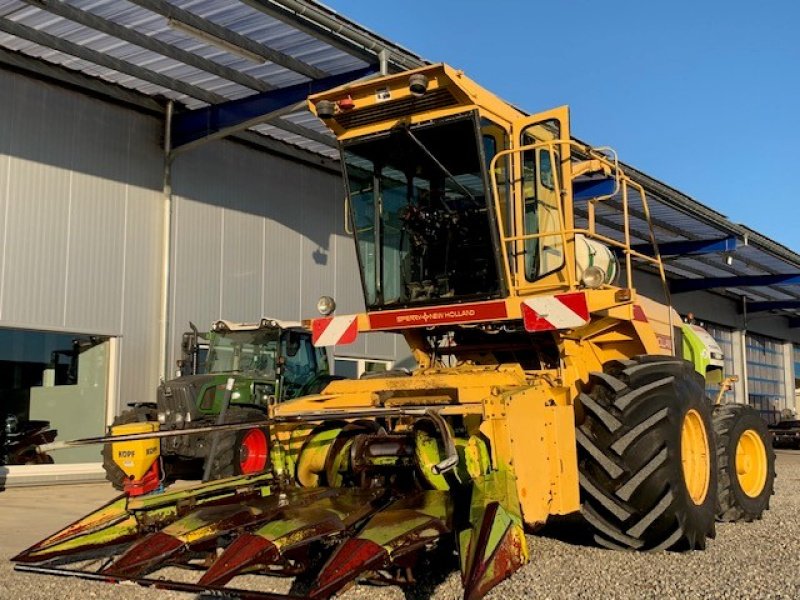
x: 241, y: 452
x: 648, y: 470
x: 746, y: 462
x: 140, y: 414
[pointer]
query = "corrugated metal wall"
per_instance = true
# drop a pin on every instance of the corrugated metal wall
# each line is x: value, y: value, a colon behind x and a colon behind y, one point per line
x: 258, y: 235
x: 80, y: 221
x: 81, y: 217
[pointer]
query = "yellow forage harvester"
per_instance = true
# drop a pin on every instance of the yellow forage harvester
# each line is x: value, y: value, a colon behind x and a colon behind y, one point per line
x: 503, y: 251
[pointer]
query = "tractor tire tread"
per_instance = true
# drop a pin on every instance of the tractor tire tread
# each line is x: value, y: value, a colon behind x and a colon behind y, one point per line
x: 734, y: 504
x: 225, y: 462
x: 632, y: 484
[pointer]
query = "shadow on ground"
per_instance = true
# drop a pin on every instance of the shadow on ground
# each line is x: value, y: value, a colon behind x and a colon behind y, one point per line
x: 570, y: 529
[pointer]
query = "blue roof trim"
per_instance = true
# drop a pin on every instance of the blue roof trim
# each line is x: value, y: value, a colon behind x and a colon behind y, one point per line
x: 772, y: 305
x: 678, y: 286
x: 195, y: 125
x: 690, y: 247
x: 586, y: 189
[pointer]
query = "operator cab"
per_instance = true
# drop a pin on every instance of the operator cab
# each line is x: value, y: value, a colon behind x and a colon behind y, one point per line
x: 463, y: 211
x: 438, y: 214
x: 418, y: 199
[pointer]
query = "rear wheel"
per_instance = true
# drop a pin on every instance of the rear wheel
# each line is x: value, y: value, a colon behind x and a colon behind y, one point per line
x: 241, y: 452
x: 140, y: 414
x: 746, y: 462
x: 648, y: 472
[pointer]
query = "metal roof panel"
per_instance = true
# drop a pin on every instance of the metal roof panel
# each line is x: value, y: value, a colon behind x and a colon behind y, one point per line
x: 676, y: 216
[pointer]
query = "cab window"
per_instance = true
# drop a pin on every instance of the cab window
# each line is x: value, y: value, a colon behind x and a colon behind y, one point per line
x: 300, y: 364
x: 541, y: 199
x: 495, y: 139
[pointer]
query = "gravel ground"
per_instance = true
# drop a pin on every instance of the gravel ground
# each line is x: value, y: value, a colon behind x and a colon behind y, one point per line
x: 755, y: 560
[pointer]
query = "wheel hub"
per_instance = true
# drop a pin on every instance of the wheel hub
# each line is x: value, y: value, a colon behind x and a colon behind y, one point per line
x: 253, y: 452
x: 695, y: 457
x: 751, y: 463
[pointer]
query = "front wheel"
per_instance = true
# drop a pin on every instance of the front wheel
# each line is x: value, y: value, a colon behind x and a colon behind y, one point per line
x: 241, y: 452
x: 648, y: 470
x: 746, y: 462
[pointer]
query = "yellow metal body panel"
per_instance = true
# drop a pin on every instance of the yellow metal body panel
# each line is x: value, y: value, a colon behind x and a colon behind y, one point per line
x: 532, y: 432
x: 472, y: 384
x: 393, y: 90
x: 136, y: 457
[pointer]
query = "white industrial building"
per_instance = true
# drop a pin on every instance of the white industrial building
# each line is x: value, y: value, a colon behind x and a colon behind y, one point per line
x: 130, y: 206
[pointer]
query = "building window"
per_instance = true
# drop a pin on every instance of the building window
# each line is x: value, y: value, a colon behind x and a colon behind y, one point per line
x: 51, y: 382
x: 766, y: 376
x: 353, y: 368
x: 724, y: 337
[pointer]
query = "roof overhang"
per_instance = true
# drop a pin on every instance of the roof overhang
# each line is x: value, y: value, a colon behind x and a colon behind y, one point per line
x: 239, y: 68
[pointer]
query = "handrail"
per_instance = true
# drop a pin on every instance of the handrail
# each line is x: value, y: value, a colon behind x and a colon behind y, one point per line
x: 621, y: 188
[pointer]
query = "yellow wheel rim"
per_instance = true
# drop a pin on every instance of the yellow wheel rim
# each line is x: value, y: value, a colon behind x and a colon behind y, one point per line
x: 751, y: 463
x: 695, y: 456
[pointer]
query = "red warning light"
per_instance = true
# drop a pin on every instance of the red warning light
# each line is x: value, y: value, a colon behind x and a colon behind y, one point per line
x: 346, y: 104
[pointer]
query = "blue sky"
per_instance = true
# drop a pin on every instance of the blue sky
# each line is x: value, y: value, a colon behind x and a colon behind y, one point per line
x: 703, y: 95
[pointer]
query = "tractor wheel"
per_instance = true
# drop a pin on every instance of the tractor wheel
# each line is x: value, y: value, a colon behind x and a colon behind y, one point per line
x: 648, y: 470
x: 746, y: 462
x: 241, y: 452
x: 140, y: 414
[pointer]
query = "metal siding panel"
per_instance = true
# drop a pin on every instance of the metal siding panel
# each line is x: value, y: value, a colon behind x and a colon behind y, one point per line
x: 263, y: 196
x: 140, y: 324
x: 283, y: 244
x: 381, y: 345
x: 198, y: 184
x: 97, y: 219
x: 242, y: 255
x: 320, y: 196
x: 243, y: 232
x: 139, y: 351
x: 63, y: 150
x: 196, y: 264
x: 38, y: 204
x: 7, y: 93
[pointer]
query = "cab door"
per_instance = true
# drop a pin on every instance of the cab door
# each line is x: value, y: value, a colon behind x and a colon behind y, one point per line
x: 543, y: 200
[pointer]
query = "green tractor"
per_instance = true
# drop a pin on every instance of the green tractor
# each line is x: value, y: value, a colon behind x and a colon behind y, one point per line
x: 269, y: 361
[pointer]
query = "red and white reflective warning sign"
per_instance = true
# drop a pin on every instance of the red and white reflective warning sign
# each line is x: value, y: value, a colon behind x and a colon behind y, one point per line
x: 333, y: 331
x: 564, y: 311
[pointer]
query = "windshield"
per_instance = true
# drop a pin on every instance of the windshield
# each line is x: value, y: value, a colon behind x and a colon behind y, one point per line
x: 419, y: 210
x: 243, y: 352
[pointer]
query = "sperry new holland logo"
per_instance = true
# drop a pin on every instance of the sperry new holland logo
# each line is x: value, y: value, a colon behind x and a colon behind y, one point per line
x: 436, y: 316
x: 476, y: 311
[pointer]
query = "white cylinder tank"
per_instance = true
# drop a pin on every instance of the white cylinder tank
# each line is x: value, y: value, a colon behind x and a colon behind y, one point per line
x: 591, y: 253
